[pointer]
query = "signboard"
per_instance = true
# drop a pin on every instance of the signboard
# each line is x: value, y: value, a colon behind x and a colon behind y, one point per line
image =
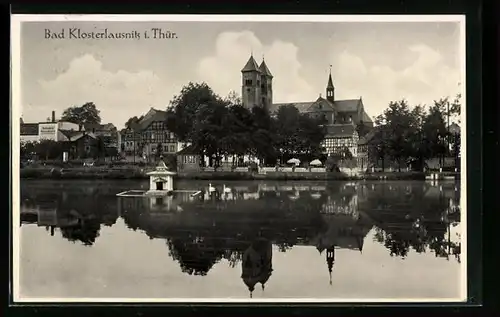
x: 48, y: 131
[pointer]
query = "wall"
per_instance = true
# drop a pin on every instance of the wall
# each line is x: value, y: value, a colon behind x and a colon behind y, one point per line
x: 62, y: 125
x: 29, y: 138
x: 188, y: 163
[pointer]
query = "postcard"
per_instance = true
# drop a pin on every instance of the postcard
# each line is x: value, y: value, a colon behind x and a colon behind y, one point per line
x: 221, y: 158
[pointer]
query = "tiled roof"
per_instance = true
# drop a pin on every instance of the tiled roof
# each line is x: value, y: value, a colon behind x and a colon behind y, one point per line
x: 189, y: 150
x: 251, y: 66
x: 75, y: 135
x: 29, y: 128
x: 348, y: 105
x: 340, y: 130
x: 152, y: 115
x: 301, y: 106
x: 264, y: 69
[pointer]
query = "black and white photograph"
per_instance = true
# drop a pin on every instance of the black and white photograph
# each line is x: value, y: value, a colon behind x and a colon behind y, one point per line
x: 238, y: 158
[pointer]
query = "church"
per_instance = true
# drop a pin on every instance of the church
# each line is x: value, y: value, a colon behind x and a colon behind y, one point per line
x: 342, y: 116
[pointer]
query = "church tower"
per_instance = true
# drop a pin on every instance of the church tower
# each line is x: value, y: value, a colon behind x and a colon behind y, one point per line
x: 330, y: 89
x: 251, y: 84
x: 266, y: 86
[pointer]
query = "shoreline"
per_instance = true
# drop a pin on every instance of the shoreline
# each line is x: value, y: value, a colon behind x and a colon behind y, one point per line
x: 134, y: 174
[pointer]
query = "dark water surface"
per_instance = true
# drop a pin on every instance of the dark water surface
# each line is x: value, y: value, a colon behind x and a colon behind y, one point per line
x: 269, y: 240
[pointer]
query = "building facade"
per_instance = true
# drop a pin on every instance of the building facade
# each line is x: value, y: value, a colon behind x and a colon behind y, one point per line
x: 150, y: 136
x: 342, y: 116
x: 108, y: 133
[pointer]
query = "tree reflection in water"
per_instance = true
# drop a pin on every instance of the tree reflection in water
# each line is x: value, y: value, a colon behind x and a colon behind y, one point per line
x: 78, y: 211
x: 406, y: 216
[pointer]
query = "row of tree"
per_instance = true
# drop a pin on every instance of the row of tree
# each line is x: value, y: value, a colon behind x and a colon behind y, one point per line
x: 220, y: 127
x: 405, y: 134
x: 53, y: 150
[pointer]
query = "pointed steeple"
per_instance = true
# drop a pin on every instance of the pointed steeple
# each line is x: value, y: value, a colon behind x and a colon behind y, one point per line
x: 251, y: 66
x: 264, y: 69
x: 330, y: 260
x: 330, y: 89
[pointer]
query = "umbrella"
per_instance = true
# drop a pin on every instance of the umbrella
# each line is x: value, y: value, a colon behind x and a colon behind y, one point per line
x: 293, y: 161
x: 316, y: 162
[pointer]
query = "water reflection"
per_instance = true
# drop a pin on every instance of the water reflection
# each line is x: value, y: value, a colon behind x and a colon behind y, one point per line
x: 242, y: 226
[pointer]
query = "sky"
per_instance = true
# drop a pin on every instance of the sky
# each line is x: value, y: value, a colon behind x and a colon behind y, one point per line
x: 378, y: 61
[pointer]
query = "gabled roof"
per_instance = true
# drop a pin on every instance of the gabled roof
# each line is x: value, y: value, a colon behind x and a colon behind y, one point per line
x: 251, y: 66
x: 150, y: 117
x: 264, y: 69
x: 29, y: 128
x: 75, y: 135
x: 321, y: 104
x: 340, y: 130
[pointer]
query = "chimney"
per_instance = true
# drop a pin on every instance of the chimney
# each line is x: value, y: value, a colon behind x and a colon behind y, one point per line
x: 53, y: 116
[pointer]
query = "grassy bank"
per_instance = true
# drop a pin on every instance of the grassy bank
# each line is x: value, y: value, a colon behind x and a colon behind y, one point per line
x: 140, y: 173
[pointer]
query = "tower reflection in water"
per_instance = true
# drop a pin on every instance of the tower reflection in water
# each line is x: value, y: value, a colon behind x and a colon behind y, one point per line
x: 257, y: 265
x: 202, y: 231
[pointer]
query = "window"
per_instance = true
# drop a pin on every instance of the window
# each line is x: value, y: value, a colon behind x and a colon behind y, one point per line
x: 172, y: 148
x: 248, y: 82
x: 165, y: 148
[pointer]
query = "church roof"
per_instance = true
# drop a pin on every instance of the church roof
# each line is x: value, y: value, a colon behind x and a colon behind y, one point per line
x: 251, y: 66
x: 301, y: 106
x: 264, y: 69
x: 340, y: 130
x: 342, y: 106
x: 348, y: 105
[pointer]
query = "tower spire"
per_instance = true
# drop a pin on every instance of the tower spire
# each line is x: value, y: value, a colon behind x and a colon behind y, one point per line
x: 330, y: 89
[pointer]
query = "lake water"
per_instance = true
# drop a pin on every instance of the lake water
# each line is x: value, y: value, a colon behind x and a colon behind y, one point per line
x: 264, y: 240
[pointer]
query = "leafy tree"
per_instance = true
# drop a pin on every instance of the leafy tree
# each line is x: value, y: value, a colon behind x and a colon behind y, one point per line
x: 49, y: 149
x: 233, y: 98
x: 87, y: 113
x: 378, y: 146
x: 264, y: 135
x: 101, y: 147
x: 132, y: 121
x: 299, y: 134
x: 209, y: 130
x: 185, y: 107
x: 434, y: 130
x: 27, y: 148
x: 238, y: 127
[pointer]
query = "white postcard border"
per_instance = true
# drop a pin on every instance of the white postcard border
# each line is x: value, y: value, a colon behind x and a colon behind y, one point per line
x: 17, y: 20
